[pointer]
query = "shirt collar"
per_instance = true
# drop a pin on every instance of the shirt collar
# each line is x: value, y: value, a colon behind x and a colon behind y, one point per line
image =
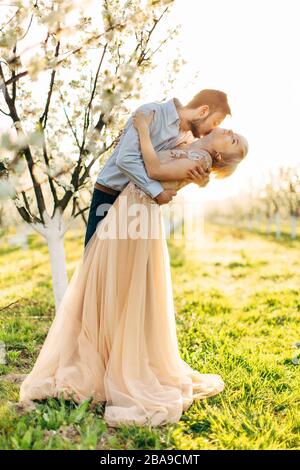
x: 172, y: 111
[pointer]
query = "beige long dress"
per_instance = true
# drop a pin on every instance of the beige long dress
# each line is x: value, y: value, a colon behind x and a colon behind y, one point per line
x: 113, y: 338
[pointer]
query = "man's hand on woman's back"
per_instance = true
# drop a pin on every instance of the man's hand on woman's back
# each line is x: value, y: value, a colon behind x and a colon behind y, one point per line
x: 165, y: 196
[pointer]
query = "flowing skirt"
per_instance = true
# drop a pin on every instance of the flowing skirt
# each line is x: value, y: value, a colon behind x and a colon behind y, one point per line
x: 113, y: 338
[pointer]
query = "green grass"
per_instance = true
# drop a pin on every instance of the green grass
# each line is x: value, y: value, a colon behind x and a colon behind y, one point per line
x: 237, y: 312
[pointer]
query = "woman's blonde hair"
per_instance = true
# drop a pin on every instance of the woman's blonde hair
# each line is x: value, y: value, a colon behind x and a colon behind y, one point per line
x: 227, y: 164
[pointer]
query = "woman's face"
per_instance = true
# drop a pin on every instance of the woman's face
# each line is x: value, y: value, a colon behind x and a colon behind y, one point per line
x: 225, y: 140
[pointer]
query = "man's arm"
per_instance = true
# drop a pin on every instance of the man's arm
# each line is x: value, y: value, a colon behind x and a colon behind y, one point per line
x: 167, y: 171
x: 129, y: 161
x: 198, y: 175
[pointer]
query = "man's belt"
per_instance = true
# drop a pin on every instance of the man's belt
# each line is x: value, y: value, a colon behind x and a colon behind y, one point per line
x: 106, y: 189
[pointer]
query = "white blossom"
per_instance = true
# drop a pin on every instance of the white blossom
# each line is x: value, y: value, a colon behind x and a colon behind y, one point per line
x: 7, y: 191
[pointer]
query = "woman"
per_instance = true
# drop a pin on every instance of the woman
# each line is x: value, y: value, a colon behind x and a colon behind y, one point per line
x: 114, y: 336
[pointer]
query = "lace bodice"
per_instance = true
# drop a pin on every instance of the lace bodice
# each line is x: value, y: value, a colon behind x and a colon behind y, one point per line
x: 191, y: 152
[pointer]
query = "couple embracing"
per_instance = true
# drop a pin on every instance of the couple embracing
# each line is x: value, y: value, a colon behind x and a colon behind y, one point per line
x: 113, y: 339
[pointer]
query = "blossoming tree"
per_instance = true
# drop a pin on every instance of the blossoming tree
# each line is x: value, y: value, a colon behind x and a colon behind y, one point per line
x: 67, y: 68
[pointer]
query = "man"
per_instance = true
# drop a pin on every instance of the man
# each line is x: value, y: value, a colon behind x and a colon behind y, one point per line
x: 172, y: 124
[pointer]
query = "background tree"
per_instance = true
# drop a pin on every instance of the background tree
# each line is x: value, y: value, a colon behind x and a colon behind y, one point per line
x: 276, y: 200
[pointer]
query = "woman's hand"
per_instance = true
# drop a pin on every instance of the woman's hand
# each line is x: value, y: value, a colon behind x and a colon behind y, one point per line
x: 142, y: 121
x: 117, y: 139
x: 198, y: 175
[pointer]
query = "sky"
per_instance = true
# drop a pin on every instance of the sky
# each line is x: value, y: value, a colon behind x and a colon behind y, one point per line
x: 250, y: 50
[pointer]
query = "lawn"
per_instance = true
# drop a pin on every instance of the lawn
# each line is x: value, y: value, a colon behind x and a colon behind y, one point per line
x: 237, y: 311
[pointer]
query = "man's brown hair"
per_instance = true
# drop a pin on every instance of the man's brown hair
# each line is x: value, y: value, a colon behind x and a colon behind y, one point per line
x: 215, y: 99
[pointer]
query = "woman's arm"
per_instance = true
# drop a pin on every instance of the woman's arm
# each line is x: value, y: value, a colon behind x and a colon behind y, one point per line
x: 174, y: 170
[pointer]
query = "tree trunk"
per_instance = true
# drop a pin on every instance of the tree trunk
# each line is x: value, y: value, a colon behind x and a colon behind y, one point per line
x: 258, y: 222
x: 269, y: 225
x: 278, y: 225
x: 293, y: 226
x: 53, y: 231
x: 58, y: 267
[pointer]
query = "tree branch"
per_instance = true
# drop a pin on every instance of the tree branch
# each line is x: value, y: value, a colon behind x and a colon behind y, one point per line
x: 69, y: 122
x: 88, y: 109
x: 44, y: 116
x: 59, y: 62
x: 81, y: 212
x: 30, y: 163
x: 25, y: 215
x: 3, y: 112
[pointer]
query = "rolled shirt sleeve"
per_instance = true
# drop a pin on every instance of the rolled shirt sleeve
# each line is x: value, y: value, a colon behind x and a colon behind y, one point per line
x: 130, y: 161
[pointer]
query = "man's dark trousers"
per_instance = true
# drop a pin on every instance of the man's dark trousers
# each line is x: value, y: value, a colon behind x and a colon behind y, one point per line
x: 99, y: 197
